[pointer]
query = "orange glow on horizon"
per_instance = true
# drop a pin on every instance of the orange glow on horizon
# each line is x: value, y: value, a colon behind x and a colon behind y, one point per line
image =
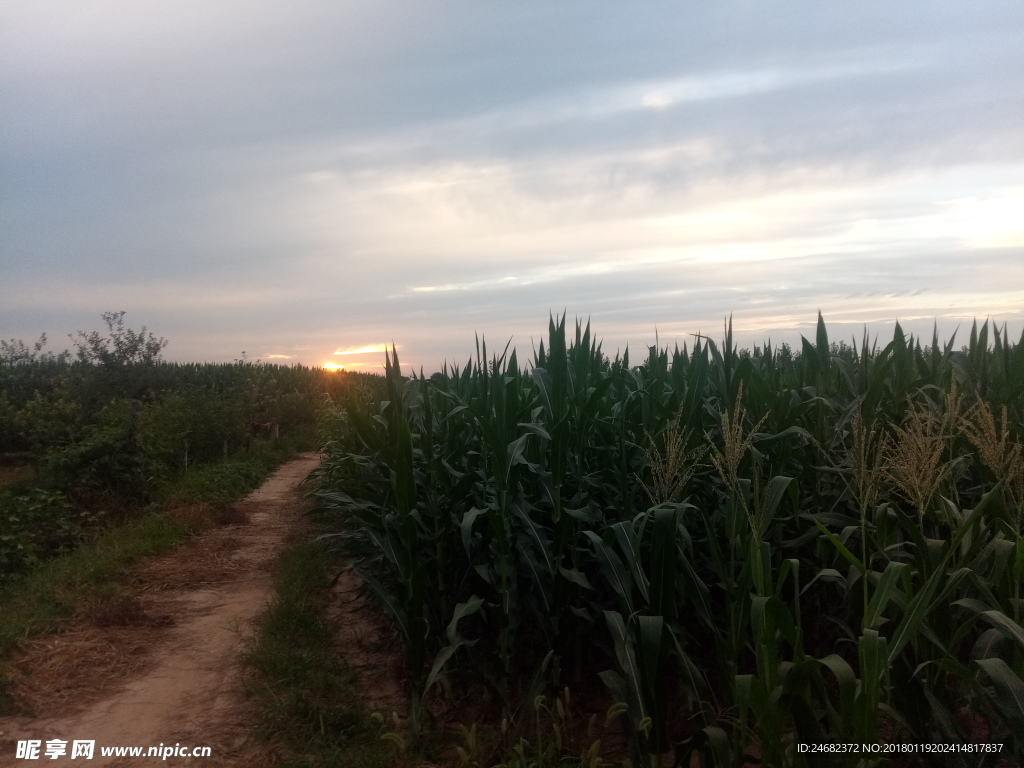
x: 332, y: 366
x: 362, y: 350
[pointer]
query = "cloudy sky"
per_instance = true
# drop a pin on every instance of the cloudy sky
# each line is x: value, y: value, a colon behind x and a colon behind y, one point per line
x: 306, y: 181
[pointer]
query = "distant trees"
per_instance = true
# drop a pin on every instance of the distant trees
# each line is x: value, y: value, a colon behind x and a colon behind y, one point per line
x: 121, y: 346
x: 117, y: 348
x: 109, y: 426
x: 16, y: 352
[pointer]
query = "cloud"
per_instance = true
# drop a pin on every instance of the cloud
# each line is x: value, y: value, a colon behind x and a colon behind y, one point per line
x: 365, y: 350
x: 288, y: 176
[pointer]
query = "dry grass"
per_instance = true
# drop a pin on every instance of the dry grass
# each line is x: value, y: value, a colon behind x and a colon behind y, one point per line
x: 83, y: 664
x: 109, y: 641
x: 197, y: 518
x: 126, y: 612
x: 231, y: 514
x: 201, y: 562
x: 11, y: 474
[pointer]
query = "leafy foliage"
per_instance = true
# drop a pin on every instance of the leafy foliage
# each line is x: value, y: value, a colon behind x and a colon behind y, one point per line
x: 753, y: 550
x: 120, y: 346
x: 115, y: 427
x: 36, y: 524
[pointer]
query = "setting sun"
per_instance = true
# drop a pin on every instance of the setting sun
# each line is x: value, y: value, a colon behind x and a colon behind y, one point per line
x: 331, y: 366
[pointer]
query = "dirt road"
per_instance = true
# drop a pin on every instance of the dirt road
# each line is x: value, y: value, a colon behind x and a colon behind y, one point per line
x: 161, y: 669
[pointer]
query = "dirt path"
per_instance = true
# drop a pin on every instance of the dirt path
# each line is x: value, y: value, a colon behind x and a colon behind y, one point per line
x: 162, y: 668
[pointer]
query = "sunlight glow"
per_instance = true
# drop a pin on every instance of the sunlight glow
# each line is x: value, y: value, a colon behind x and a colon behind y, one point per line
x: 331, y: 366
x: 364, y: 350
x: 993, y: 222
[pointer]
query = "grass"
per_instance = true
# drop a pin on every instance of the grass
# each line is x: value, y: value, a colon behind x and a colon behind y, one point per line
x: 311, y: 707
x: 225, y: 481
x: 49, y: 595
x: 307, y: 695
x: 46, y: 597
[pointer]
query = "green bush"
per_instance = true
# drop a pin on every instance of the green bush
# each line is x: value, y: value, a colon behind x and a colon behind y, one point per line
x: 117, y: 427
x: 36, y: 524
x: 102, y: 457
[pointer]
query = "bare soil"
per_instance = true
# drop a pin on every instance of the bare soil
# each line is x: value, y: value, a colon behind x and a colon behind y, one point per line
x: 367, y: 641
x: 9, y: 474
x: 161, y: 666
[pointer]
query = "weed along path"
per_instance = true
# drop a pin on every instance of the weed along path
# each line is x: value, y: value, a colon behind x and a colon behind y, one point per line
x: 162, y: 667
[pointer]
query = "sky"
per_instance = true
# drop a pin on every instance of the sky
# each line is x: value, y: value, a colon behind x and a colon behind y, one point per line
x: 306, y: 182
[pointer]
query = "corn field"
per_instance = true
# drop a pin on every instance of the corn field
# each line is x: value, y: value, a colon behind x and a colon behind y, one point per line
x: 751, y: 551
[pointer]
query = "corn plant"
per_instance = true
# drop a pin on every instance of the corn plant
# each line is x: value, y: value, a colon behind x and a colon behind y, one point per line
x: 750, y: 549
